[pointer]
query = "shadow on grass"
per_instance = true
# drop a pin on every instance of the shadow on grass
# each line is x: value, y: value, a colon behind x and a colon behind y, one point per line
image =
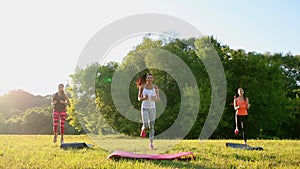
x: 176, y: 163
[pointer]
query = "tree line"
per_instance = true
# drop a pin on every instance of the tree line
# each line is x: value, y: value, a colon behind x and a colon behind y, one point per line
x: 24, y: 113
x: 270, y: 81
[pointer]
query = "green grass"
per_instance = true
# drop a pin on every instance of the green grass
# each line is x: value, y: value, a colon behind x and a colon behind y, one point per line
x: 38, y: 151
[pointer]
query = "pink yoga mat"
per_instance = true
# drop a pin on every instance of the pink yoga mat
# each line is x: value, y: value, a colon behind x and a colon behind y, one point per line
x: 124, y: 154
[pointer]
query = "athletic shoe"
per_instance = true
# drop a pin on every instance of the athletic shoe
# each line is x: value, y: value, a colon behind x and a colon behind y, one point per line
x: 236, y: 131
x: 61, y: 141
x: 54, y: 138
x: 151, y: 146
x: 143, y: 133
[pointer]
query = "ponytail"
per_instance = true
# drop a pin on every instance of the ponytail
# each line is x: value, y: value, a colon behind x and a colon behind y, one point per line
x: 141, y: 80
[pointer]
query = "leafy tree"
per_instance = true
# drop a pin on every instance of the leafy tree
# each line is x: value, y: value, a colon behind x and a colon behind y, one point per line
x: 37, y: 121
x: 13, y: 126
x: 83, y: 113
x: 271, y: 82
x: 16, y: 102
x: 21, y: 100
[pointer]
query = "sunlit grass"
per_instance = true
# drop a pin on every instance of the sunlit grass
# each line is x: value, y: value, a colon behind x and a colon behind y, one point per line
x: 132, y: 144
x: 38, y: 151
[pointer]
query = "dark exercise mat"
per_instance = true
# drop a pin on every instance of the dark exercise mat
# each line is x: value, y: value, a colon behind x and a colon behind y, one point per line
x: 242, y: 146
x: 76, y: 145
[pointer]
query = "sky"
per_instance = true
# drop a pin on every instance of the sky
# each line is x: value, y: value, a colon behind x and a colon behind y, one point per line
x: 41, y: 41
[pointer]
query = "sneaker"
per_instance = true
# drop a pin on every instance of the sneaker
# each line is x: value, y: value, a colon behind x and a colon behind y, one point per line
x: 143, y: 133
x: 54, y: 138
x: 151, y: 146
x: 61, y: 141
x: 236, y: 131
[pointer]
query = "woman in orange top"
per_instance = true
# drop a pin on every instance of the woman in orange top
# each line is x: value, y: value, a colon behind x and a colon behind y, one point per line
x: 241, y: 105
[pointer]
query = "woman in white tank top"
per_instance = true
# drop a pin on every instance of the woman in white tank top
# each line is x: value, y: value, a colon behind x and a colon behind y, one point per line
x: 148, y: 94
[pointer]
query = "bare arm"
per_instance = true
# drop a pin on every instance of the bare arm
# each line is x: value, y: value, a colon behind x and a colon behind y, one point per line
x: 236, y: 122
x: 53, y: 102
x: 234, y: 105
x: 156, y: 98
x: 248, y: 104
x: 67, y: 100
x: 140, y: 95
x: 235, y: 116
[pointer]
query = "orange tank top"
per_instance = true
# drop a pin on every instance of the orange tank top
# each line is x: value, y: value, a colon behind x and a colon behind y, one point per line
x: 242, y: 110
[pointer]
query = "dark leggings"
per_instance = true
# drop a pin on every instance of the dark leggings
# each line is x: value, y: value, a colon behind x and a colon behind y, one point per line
x: 242, y: 122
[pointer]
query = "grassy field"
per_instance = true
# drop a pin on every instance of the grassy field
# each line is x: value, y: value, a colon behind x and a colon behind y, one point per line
x: 38, y: 151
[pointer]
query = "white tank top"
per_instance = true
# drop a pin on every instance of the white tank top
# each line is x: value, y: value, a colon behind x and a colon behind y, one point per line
x: 148, y: 103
